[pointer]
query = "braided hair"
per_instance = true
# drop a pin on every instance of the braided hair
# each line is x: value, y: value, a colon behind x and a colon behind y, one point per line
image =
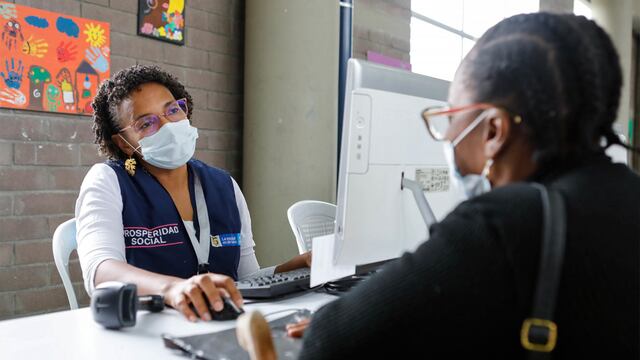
x: 560, y: 73
x: 113, y: 92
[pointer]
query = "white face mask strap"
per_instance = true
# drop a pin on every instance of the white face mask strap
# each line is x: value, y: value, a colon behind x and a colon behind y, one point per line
x: 469, y: 128
x: 134, y: 149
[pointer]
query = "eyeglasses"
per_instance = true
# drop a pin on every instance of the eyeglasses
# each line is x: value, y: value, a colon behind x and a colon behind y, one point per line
x: 149, y: 124
x: 438, y: 119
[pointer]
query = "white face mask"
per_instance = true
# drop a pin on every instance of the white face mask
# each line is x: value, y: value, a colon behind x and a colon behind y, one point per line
x: 471, y: 184
x: 171, y: 146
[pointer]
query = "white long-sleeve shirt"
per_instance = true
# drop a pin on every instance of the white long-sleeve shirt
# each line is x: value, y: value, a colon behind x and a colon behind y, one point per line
x: 99, y: 226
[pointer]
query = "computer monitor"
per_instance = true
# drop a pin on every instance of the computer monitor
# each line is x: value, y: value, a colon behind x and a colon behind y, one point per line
x: 384, y: 140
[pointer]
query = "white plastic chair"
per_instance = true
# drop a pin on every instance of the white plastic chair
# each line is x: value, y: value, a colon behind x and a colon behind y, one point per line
x: 310, y: 219
x: 64, y: 242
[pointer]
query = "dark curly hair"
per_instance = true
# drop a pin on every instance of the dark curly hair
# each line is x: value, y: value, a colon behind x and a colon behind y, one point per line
x: 560, y: 73
x: 112, y: 92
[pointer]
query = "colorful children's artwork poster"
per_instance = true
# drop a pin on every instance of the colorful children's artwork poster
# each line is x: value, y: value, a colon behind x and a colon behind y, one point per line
x: 162, y: 20
x: 49, y: 61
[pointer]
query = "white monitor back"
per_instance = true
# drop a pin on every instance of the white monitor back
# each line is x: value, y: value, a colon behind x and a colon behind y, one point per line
x: 384, y: 138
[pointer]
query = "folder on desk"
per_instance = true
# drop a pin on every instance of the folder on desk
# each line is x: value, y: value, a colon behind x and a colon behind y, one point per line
x: 224, y: 344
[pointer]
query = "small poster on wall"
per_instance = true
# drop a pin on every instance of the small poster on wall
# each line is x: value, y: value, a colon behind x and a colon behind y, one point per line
x: 49, y: 61
x: 162, y: 20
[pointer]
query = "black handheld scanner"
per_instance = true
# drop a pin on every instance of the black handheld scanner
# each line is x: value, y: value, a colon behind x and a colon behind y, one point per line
x: 114, y: 304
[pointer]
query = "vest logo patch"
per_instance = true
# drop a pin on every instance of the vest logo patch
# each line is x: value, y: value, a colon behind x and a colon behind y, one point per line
x: 142, y: 237
x: 224, y: 240
x: 215, y: 241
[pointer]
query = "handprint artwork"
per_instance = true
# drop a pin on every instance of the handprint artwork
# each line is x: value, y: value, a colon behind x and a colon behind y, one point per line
x: 97, y: 59
x: 13, y: 78
x: 49, y: 61
x: 37, y: 48
x: 10, y: 34
x: 66, y: 52
x: 13, y: 96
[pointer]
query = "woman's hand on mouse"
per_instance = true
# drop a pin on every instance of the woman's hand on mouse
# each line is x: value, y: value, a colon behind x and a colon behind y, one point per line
x: 179, y: 294
x: 296, y: 330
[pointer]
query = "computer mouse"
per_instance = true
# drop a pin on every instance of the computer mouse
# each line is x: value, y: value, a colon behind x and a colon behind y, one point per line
x: 229, y: 312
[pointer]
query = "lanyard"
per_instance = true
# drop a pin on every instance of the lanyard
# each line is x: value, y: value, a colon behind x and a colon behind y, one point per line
x: 201, y: 247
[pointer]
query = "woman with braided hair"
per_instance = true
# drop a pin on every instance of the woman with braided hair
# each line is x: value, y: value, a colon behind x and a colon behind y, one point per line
x: 533, y: 102
x: 153, y: 216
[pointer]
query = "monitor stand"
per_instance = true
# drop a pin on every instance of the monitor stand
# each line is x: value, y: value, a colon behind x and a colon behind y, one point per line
x: 421, y: 200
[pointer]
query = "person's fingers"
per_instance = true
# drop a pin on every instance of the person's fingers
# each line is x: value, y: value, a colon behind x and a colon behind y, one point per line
x: 224, y: 292
x: 195, y: 296
x: 296, y: 332
x: 213, y: 294
x: 182, y: 305
x: 294, y: 327
x: 299, y: 324
x: 229, y: 285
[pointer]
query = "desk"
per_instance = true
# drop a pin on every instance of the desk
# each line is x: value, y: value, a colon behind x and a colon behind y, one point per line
x: 74, y: 335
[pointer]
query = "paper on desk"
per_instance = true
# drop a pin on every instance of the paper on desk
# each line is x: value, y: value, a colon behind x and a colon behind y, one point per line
x: 322, y: 267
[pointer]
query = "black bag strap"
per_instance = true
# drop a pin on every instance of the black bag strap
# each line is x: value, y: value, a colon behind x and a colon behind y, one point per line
x: 539, y: 333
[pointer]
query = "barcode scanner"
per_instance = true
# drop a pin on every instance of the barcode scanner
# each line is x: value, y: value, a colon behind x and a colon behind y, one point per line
x: 114, y: 304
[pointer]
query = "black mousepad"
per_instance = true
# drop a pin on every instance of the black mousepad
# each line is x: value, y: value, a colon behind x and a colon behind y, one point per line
x: 224, y: 344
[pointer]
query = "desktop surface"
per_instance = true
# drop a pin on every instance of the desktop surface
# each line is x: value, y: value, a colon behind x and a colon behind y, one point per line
x: 74, y: 335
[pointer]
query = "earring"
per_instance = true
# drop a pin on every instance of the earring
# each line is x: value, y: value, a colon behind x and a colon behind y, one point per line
x: 130, y: 166
x: 487, y: 168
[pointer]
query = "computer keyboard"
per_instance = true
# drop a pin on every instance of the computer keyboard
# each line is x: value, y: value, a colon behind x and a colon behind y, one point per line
x: 264, y: 287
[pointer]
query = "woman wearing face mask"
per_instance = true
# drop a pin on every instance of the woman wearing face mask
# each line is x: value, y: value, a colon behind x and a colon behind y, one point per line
x: 153, y: 216
x: 533, y: 101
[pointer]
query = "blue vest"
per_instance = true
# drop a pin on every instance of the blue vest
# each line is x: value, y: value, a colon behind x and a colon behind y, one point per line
x: 154, y: 235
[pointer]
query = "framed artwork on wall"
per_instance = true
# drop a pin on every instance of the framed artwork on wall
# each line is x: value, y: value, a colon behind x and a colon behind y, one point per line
x: 49, y: 61
x: 162, y: 20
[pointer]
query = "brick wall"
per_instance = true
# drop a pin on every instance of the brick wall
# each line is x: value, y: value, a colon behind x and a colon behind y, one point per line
x: 44, y: 157
x: 382, y: 26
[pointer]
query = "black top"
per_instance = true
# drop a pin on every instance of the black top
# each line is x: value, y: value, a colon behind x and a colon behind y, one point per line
x: 468, y: 289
